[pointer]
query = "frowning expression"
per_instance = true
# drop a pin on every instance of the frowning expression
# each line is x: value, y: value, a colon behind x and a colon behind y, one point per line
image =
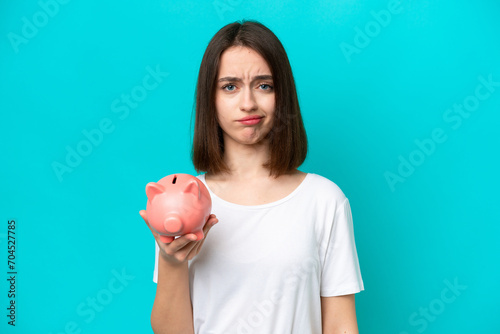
x: 244, y: 97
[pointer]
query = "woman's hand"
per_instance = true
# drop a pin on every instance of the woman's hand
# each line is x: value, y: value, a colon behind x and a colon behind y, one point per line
x: 183, y: 248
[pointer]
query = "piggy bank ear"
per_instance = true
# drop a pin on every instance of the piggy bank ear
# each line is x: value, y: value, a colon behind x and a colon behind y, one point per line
x: 153, y: 189
x: 193, y: 188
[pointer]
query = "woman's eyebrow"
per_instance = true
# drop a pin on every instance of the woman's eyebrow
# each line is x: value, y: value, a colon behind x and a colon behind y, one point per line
x: 255, y: 78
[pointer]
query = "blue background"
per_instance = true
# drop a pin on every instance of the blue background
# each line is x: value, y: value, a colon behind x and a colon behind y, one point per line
x: 364, y: 111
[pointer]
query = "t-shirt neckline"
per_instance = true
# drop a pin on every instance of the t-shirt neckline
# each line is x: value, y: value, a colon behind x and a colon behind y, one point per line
x: 260, y: 206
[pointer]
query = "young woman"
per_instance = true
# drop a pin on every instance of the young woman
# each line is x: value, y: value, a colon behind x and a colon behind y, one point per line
x: 282, y: 258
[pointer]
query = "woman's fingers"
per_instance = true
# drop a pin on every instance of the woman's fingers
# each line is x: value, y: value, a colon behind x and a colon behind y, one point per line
x: 184, y: 247
x: 193, y: 249
x: 184, y: 250
x: 212, y: 220
x: 181, y: 242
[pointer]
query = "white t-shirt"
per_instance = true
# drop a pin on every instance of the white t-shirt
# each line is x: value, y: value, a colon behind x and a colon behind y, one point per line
x: 263, y: 268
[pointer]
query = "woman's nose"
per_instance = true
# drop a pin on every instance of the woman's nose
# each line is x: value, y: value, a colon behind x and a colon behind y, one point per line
x: 247, y: 102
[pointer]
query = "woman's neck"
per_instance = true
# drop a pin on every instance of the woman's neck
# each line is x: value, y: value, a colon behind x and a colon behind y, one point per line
x: 246, y: 161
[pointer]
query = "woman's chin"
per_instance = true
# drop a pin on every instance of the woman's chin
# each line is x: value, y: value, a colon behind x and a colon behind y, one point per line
x: 252, y: 138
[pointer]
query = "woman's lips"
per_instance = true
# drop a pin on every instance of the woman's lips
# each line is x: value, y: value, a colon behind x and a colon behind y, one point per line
x: 251, y: 120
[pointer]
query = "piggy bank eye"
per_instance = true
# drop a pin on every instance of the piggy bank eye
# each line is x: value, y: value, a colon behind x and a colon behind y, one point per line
x: 175, y: 179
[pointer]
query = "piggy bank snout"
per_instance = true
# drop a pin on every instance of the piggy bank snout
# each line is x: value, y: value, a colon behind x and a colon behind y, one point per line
x: 173, y: 224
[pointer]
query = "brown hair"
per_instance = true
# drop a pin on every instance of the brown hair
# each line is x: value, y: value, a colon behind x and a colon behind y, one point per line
x: 287, y: 137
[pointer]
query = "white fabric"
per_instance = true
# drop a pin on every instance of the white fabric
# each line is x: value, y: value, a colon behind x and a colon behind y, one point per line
x: 263, y: 268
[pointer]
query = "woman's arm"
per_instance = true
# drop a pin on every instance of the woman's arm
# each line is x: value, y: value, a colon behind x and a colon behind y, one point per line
x: 172, y: 311
x: 338, y: 315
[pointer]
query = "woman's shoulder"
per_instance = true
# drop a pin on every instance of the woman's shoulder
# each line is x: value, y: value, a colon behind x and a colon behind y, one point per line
x: 325, y: 187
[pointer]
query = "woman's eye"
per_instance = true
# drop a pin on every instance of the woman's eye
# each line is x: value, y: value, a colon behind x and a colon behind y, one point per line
x: 266, y: 86
x: 229, y: 87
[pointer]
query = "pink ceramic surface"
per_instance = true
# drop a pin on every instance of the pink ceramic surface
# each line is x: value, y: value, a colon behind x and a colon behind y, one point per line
x: 178, y: 204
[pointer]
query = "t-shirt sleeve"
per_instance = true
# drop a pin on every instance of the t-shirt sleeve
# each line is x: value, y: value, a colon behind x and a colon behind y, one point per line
x: 341, y: 274
x: 157, y: 253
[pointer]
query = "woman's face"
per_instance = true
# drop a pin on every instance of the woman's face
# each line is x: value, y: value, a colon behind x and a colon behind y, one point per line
x: 244, y: 97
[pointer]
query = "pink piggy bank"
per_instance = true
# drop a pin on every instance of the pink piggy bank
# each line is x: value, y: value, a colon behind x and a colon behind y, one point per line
x: 178, y: 204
